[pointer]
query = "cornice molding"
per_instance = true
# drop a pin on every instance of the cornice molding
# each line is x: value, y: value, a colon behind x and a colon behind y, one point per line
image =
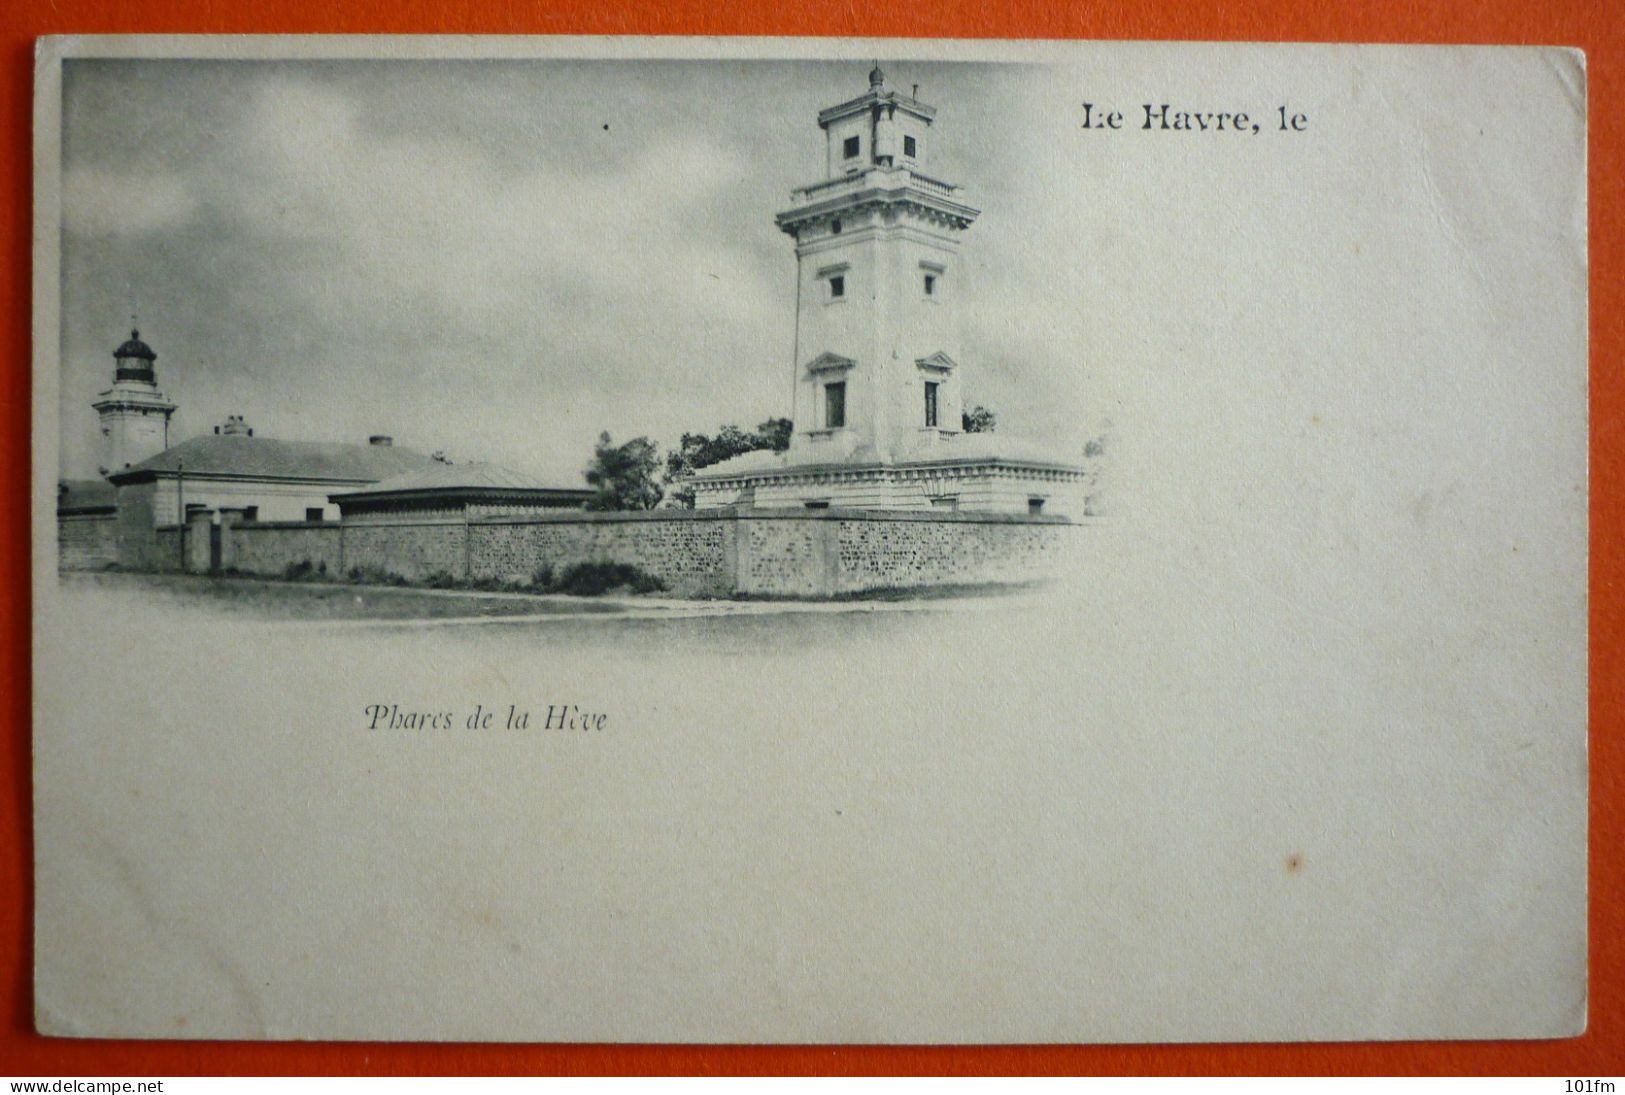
x: 908, y: 196
x: 956, y: 470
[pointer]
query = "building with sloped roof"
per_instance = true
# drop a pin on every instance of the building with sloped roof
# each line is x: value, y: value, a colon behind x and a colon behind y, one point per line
x: 163, y: 506
x: 267, y: 478
x: 426, y: 523
x: 475, y: 489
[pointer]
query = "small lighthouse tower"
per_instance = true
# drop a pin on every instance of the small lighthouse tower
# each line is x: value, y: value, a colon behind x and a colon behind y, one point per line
x: 134, y: 413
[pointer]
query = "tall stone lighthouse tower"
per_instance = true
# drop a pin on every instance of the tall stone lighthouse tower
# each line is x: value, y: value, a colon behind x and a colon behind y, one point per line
x: 876, y: 327
x: 134, y: 413
x: 878, y: 380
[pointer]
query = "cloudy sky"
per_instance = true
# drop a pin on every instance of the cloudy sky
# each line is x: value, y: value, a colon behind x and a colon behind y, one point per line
x: 501, y: 259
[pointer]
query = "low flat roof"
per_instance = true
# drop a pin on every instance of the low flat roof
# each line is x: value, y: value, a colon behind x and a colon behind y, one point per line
x: 85, y: 496
x: 439, y: 480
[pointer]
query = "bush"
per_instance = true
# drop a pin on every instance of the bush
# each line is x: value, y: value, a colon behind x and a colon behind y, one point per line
x: 303, y: 571
x: 593, y: 579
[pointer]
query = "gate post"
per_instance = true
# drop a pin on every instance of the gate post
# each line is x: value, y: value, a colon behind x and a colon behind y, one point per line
x: 230, y: 518
x: 196, y: 534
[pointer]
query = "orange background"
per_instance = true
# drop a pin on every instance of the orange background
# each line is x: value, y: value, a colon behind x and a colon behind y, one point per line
x: 1596, y: 27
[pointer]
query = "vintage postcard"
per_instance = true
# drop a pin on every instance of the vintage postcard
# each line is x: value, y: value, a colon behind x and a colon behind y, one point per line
x: 695, y: 540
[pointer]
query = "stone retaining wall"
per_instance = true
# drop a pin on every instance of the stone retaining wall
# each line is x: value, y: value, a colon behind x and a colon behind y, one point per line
x: 411, y: 549
x: 791, y: 553
x: 87, y: 541
x: 696, y: 553
x: 272, y: 547
x: 820, y: 553
x: 689, y: 551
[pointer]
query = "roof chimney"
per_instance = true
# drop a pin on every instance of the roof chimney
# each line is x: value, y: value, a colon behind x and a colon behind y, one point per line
x: 383, y: 440
x: 235, y: 427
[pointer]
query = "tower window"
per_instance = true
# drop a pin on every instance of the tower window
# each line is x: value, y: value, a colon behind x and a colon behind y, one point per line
x: 908, y: 146
x: 930, y: 403
x: 835, y: 405
x: 1035, y: 506
x: 835, y: 227
x: 837, y: 287
x: 930, y: 284
x: 850, y: 148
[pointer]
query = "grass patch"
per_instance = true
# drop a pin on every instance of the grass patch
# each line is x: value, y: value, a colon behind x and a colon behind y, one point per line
x: 269, y: 598
x: 377, y: 576
x: 578, y: 580
x: 905, y: 593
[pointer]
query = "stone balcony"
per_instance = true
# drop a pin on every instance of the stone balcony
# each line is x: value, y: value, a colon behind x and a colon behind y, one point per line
x: 888, y: 177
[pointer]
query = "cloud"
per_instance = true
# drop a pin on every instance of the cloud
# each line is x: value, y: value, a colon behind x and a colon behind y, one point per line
x: 499, y: 307
x: 643, y: 257
x: 103, y: 202
x: 498, y: 265
x: 435, y: 218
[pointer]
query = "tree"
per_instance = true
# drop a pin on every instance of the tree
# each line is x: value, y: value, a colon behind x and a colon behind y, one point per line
x: 978, y: 420
x: 697, y: 451
x: 624, y: 475
x: 776, y: 432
